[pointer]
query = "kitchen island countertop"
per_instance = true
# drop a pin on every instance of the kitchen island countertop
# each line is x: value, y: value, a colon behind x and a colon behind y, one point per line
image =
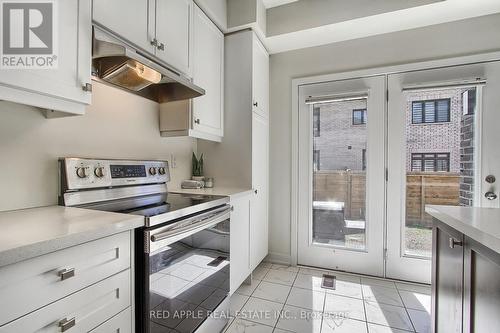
x: 480, y: 224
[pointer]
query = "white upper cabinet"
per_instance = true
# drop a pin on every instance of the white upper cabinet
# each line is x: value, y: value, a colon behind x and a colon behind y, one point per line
x: 208, y: 63
x: 260, y: 78
x: 62, y: 88
x: 163, y: 28
x: 174, y: 33
x: 129, y: 19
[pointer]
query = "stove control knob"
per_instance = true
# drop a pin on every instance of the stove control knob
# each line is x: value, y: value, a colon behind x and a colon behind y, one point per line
x: 152, y: 171
x: 99, y: 172
x: 161, y: 170
x: 81, y: 172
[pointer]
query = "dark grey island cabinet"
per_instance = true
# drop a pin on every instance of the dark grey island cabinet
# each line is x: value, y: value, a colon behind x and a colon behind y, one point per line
x: 465, y: 283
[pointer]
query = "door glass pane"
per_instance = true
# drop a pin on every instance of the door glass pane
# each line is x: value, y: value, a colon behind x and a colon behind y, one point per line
x: 440, y: 159
x: 339, y: 173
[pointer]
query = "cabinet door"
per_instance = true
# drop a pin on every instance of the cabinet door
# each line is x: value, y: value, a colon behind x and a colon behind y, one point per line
x: 240, y: 236
x: 482, y: 288
x: 43, y: 281
x: 447, y: 279
x: 208, y: 73
x: 174, y: 33
x: 260, y: 169
x: 260, y: 78
x: 121, y: 323
x: 130, y: 19
x: 81, y: 311
x: 74, y: 36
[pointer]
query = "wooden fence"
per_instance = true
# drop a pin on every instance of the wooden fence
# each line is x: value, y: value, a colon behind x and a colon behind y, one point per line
x: 422, y: 188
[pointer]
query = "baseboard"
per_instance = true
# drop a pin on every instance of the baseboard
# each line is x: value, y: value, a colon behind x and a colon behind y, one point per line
x: 278, y: 258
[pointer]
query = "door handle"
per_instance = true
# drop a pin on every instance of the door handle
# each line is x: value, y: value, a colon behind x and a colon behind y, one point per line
x: 490, y: 195
x: 454, y: 242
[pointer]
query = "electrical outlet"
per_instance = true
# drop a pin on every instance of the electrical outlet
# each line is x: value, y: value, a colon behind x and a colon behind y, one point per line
x: 173, y: 161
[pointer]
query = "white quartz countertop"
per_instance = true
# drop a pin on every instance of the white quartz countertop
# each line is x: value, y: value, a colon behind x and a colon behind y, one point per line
x: 28, y: 233
x: 225, y: 191
x: 480, y: 224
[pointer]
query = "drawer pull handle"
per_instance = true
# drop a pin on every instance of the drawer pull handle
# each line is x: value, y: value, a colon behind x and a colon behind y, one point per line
x: 65, y: 274
x: 66, y: 324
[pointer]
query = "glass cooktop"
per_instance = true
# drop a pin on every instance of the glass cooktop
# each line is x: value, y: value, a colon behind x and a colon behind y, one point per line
x: 166, y: 205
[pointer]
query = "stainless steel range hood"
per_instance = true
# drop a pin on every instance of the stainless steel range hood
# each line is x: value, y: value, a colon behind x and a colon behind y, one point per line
x: 116, y: 62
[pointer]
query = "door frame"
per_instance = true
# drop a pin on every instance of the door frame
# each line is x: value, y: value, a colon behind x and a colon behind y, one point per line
x: 367, y: 260
x: 296, y: 83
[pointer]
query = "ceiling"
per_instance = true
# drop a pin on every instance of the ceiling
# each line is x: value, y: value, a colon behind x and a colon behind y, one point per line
x: 371, y: 25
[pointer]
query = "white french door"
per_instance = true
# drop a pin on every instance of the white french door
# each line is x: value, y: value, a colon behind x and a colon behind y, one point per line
x: 341, y: 175
x: 442, y: 143
x: 369, y: 164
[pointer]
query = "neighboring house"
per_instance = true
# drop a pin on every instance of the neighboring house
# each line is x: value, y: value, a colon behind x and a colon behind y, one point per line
x: 433, y: 130
x: 439, y: 135
x: 339, y: 131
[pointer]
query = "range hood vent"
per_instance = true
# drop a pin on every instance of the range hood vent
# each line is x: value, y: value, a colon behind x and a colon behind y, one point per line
x: 117, y: 63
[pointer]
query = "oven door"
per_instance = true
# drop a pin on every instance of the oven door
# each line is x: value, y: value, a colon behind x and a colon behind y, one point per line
x: 187, y: 273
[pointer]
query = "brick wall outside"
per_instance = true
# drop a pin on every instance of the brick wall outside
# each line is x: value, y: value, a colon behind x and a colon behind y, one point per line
x: 341, y: 143
x: 438, y: 137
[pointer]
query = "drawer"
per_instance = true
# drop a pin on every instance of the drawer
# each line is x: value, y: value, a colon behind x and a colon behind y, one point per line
x: 83, y: 311
x: 34, y: 283
x: 121, y: 323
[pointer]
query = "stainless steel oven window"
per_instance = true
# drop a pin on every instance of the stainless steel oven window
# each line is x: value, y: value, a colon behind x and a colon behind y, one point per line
x: 188, y: 279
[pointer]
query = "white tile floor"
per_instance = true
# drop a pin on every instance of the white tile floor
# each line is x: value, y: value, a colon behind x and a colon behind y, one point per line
x: 285, y: 299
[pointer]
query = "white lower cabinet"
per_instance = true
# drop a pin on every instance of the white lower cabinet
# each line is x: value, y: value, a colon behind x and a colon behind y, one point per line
x: 259, y: 213
x: 81, y: 311
x: 121, y: 323
x: 80, y: 287
x: 240, y: 240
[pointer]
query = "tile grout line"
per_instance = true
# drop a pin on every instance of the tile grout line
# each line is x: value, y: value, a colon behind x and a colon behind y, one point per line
x: 364, y: 305
x: 322, y: 314
x: 286, y: 299
x: 249, y: 297
x: 406, y: 310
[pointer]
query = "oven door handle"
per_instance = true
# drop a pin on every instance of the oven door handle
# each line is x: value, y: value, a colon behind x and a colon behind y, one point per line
x: 190, y: 229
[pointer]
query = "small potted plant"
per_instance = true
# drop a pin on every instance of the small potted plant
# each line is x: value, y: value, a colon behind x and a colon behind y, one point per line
x: 197, y: 165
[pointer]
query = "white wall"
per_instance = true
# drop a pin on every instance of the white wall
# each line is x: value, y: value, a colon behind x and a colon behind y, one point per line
x: 116, y: 125
x: 447, y: 40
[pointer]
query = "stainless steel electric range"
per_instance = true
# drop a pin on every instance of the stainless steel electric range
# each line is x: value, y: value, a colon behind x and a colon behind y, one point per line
x: 182, y: 252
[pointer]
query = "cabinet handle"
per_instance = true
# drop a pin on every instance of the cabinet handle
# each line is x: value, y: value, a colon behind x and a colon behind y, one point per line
x: 161, y: 47
x: 197, y: 121
x: 66, y: 273
x: 87, y: 87
x: 154, y: 42
x: 66, y: 324
x: 255, y: 104
x: 255, y: 191
x: 454, y: 242
x: 232, y: 208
